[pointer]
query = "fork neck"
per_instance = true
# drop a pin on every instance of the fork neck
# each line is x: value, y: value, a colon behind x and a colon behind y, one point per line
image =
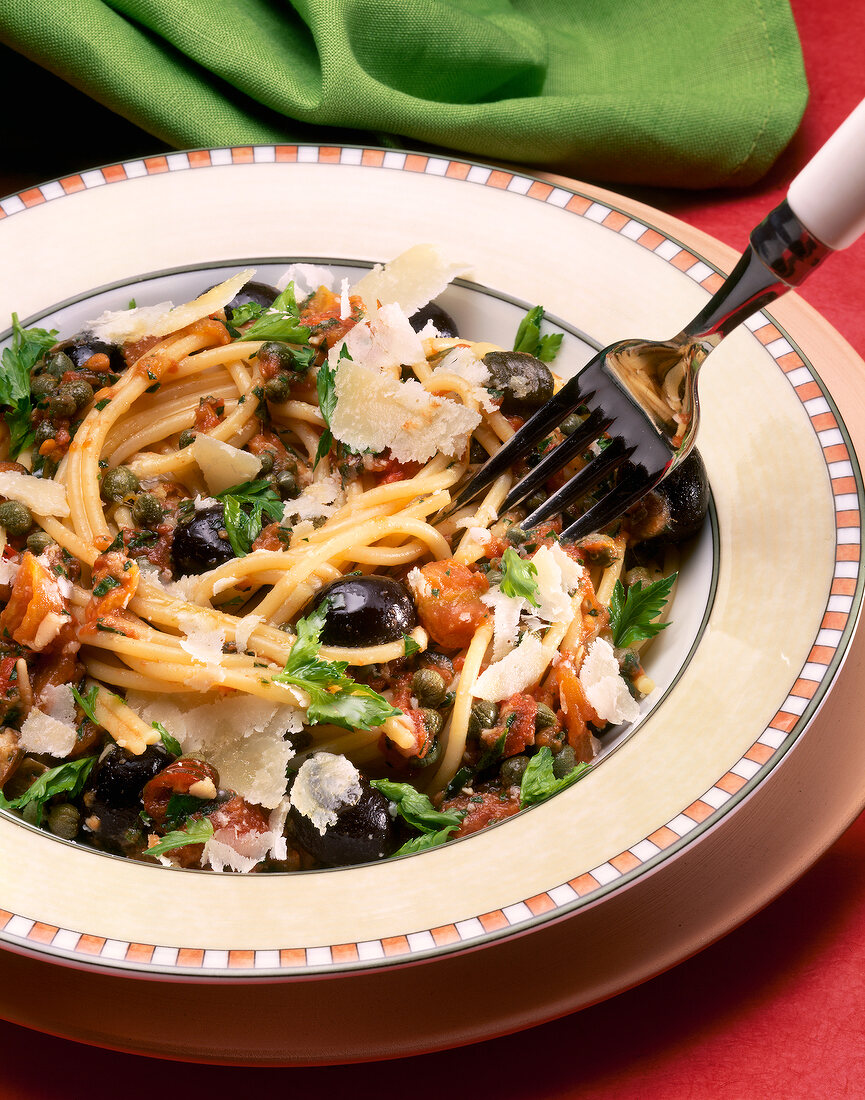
x: 782, y: 253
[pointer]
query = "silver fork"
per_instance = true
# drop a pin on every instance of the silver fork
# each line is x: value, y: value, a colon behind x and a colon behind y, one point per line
x: 639, y: 397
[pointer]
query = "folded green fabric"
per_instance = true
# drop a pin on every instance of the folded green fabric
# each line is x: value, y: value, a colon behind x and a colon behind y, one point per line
x: 688, y: 93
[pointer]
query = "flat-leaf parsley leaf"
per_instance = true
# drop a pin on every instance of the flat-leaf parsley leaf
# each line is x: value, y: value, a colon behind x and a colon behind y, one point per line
x: 518, y: 577
x: 529, y: 337
x: 244, y: 505
x: 631, y: 613
x: 539, y: 781
x: 27, y: 348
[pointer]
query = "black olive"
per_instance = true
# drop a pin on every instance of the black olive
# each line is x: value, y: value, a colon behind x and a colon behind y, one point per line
x: 112, y: 798
x: 259, y: 293
x: 366, y: 611
x: 201, y: 544
x: 361, y: 833
x: 80, y: 348
x: 524, y: 381
x: 444, y: 323
x: 675, y: 509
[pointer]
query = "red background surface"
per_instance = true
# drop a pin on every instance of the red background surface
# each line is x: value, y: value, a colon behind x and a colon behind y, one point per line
x: 777, y: 1008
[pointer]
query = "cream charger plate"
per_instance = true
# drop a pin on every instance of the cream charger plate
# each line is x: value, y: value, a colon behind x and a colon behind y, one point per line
x: 745, y: 763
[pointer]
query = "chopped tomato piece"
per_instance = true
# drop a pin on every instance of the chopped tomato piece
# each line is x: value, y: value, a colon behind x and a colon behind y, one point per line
x: 36, y: 611
x: 449, y: 606
x: 578, y: 713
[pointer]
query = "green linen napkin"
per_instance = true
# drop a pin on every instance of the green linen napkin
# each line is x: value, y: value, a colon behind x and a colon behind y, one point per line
x: 687, y: 93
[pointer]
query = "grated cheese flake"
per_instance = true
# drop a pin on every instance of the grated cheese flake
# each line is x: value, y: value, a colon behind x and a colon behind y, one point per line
x: 324, y: 784
x: 506, y: 619
x: 41, y: 495
x: 51, y: 730
x: 521, y: 668
x: 306, y: 278
x: 321, y: 498
x: 605, y: 689
x: 411, y: 279
x: 222, y: 464
x: 202, y: 642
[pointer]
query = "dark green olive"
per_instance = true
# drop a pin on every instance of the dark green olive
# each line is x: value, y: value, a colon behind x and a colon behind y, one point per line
x: 187, y: 436
x: 147, y: 510
x: 277, y: 388
x: 119, y: 484
x: 38, y: 542
x: 512, y: 770
x: 483, y: 716
x: 432, y: 311
x: 44, y: 430
x: 544, y: 718
x: 286, y: 485
x: 15, y: 518
x: 428, y: 687
x: 564, y: 762
x: 524, y: 381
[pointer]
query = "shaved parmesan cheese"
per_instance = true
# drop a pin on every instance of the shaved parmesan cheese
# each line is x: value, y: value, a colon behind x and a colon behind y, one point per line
x: 203, y: 643
x: 222, y: 464
x: 241, y: 736
x: 323, y: 785
x: 554, y: 601
x: 321, y: 498
x: 506, y: 619
x: 58, y: 702
x: 411, y: 279
x: 48, y: 630
x: 244, y: 628
x: 464, y: 363
x: 418, y: 583
x: 480, y: 535
x: 8, y: 571
x: 521, y: 668
x: 375, y: 411
x: 384, y: 340
x: 41, y: 495
x: 42, y: 733
x: 605, y: 689
x: 306, y: 278
x: 243, y: 851
x: 123, y: 325
x: 344, y: 303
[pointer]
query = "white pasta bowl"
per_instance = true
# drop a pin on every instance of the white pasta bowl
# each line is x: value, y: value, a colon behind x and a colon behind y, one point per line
x: 624, y: 873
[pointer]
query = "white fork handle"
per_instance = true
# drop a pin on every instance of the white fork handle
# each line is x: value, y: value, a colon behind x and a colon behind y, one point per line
x: 828, y: 195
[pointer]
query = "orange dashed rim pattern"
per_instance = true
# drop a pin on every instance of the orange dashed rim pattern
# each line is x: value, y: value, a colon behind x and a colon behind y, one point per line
x: 813, y: 679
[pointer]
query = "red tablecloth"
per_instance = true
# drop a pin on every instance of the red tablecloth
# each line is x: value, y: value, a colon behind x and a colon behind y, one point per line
x: 773, y: 1010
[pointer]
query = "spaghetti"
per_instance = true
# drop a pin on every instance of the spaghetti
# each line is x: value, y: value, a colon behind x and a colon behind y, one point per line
x: 237, y: 633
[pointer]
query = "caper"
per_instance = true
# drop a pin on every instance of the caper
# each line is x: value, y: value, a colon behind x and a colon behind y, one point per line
x: 483, y: 716
x: 80, y: 391
x: 266, y: 466
x: 638, y: 575
x: 147, y: 510
x: 570, y: 424
x: 119, y: 484
x: 280, y: 356
x: 187, y: 436
x: 432, y: 756
x: 432, y: 721
x: 534, y: 501
x: 428, y: 687
x: 15, y: 517
x: 58, y: 363
x: 61, y: 403
x: 38, y: 542
x: 286, y: 485
x: 43, y: 385
x: 44, y: 430
x: 277, y: 388
x: 64, y: 820
x: 512, y: 770
x: 564, y: 762
x: 516, y: 535
x: 544, y: 718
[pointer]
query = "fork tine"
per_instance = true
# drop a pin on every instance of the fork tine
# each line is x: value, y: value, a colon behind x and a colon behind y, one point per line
x: 592, y: 474
x: 631, y: 486
x: 593, y: 426
x: 548, y: 416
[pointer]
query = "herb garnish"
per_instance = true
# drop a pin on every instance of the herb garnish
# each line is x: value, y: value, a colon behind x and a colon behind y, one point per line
x: 539, y: 781
x: 68, y: 778
x: 171, y: 743
x: 325, y: 384
x: 87, y: 702
x: 529, y: 337
x: 518, y: 577
x: 105, y: 586
x: 631, y: 613
x: 27, y: 348
x: 280, y: 321
x: 333, y: 696
x: 243, y: 527
x: 416, y: 809
x: 410, y: 646
x: 193, y: 832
